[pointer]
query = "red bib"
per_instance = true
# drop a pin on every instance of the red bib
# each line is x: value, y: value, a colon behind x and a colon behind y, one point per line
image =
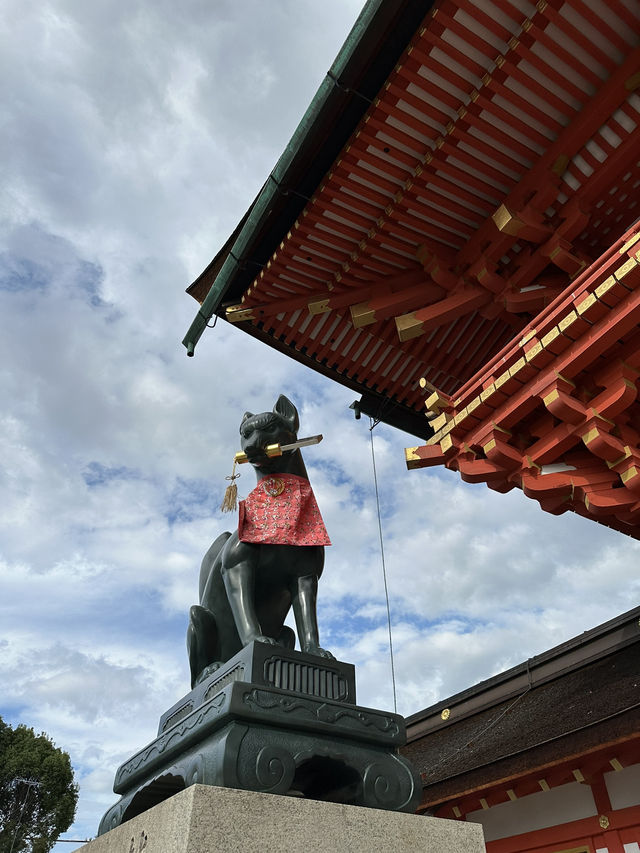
x: 282, y: 510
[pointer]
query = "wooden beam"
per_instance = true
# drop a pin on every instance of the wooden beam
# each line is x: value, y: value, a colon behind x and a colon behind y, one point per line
x: 445, y: 311
x: 594, y: 114
x: 319, y: 301
x: 387, y: 305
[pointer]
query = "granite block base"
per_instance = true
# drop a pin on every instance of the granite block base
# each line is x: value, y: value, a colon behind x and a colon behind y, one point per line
x: 205, y: 819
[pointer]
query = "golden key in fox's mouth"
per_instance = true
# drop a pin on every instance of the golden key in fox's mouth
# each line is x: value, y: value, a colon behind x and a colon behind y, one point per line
x: 272, y: 450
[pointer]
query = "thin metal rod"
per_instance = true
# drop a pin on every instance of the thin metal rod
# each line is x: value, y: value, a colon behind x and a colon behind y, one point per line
x: 384, y: 568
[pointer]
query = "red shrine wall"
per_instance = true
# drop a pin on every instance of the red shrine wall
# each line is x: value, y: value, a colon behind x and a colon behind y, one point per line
x: 602, y: 816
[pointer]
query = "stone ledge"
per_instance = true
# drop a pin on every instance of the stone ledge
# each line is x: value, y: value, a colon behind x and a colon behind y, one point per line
x: 204, y: 819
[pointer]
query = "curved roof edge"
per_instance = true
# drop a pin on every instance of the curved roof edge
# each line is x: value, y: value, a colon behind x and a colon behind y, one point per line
x: 371, y: 50
x: 579, y: 651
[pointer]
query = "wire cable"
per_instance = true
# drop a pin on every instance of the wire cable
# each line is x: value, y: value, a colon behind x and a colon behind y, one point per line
x: 373, y: 424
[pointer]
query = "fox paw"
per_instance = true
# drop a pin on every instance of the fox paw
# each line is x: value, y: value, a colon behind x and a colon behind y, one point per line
x: 319, y: 652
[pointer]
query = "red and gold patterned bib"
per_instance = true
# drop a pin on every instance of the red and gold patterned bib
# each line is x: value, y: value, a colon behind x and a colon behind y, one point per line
x: 282, y: 510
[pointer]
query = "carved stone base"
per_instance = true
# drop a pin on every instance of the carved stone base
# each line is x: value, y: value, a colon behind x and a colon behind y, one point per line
x: 276, y: 721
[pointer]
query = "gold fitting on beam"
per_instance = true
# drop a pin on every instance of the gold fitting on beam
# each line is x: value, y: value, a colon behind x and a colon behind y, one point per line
x: 590, y: 436
x: 625, y: 455
x: 630, y: 242
x: 535, y: 351
x: 487, y: 392
x: 629, y: 474
x: 408, y: 327
x: 550, y: 337
x: 506, y: 222
x: 362, y: 315
x: 320, y: 306
x: 436, y: 402
x: 410, y: 455
x: 567, y: 321
x: 625, y: 269
x: 502, y: 379
x: 526, y: 338
x: 423, y: 382
x: 238, y: 314
x: 441, y: 421
x: 446, y: 444
x: 461, y: 416
x: 584, y: 306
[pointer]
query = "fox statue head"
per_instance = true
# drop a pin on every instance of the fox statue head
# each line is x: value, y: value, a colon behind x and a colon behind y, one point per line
x: 279, y: 426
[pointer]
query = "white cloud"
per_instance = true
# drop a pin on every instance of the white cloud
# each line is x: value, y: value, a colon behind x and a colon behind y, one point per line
x: 136, y: 135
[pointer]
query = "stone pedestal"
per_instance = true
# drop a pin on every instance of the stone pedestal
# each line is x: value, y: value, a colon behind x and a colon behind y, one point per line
x: 276, y: 721
x: 205, y: 819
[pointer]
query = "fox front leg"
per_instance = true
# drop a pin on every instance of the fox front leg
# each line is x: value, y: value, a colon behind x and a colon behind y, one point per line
x: 304, y: 598
x: 239, y: 584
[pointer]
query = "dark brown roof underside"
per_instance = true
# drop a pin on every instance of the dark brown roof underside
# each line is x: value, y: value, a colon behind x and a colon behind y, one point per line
x: 597, y: 704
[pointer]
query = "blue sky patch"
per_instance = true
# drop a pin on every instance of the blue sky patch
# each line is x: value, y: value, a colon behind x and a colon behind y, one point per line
x: 21, y: 274
x: 191, y: 499
x: 96, y: 474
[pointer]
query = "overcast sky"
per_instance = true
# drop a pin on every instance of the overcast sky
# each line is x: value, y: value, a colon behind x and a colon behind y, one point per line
x: 135, y: 135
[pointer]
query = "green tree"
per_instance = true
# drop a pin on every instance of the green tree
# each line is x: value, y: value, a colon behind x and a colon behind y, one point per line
x: 38, y: 795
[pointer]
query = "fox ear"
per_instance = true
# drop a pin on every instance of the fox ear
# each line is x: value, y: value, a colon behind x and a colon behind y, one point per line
x: 288, y: 412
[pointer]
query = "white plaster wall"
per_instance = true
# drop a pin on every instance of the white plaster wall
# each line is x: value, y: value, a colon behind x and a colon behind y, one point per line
x: 624, y: 786
x: 537, y: 811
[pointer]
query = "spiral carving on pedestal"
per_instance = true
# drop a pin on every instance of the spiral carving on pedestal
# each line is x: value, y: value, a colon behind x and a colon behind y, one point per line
x: 382, y: 786
x: 275, y: 769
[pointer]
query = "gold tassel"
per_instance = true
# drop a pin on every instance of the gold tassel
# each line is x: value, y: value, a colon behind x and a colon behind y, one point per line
x: 230, y: 501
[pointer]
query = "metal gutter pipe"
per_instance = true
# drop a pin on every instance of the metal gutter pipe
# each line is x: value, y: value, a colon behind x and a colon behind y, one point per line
x: 275, y: 183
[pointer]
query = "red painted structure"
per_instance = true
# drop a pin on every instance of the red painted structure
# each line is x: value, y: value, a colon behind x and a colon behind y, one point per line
x: 556, y: 411
x: 475, y: 230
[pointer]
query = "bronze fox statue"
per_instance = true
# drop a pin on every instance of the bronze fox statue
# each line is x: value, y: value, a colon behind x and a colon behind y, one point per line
x: 250, y: 578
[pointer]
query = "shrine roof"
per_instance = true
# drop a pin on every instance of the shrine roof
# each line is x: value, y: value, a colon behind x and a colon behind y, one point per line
x: 460, y: 165
x: 572, y: 700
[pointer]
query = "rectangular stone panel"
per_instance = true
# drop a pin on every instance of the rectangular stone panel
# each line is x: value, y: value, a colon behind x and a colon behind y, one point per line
x: 204, y: 819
